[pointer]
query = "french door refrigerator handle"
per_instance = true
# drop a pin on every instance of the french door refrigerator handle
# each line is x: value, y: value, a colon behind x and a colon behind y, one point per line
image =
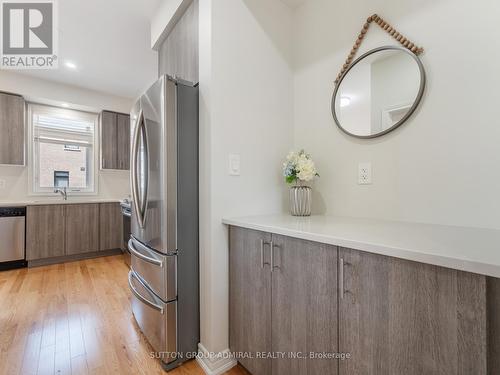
x: 135, y: 150
x: 139, y: 255
x: 139, y: 296
x: 144, y: 201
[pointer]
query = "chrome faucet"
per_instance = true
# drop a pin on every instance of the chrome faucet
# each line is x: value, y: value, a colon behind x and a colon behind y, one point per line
x: 62, y: 191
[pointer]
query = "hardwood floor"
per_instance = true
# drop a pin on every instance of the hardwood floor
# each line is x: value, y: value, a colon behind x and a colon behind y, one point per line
x: 74, y: 318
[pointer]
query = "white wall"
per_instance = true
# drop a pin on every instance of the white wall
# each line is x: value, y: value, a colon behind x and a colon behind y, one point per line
x: 439, y: 167
x: 112, y: 184
x: 246, y: 103
x: 165, y: 18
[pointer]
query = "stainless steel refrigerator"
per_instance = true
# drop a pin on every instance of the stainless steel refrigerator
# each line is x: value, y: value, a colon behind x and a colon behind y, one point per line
x: 164, y: 275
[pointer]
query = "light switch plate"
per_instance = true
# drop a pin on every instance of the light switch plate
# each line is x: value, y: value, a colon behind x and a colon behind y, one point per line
x: 234, y: 165
x: 364, y: 173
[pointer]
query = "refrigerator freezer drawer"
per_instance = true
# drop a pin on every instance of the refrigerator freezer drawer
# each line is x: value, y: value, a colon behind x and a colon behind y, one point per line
x: 156, y: 270
x: 157, y: 319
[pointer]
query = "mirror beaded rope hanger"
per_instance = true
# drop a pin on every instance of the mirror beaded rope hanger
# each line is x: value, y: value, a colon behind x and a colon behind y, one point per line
x: 405, y: 42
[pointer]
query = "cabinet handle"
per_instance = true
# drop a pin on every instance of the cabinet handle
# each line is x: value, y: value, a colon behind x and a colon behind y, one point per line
x: 341, y: 278
x: 262, y: 243
x: 272, y: 256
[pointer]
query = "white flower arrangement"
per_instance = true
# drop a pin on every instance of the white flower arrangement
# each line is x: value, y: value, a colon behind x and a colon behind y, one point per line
x: 299, y: 167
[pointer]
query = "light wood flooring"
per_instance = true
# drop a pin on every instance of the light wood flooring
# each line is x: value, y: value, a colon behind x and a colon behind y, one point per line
x: 74, y: 318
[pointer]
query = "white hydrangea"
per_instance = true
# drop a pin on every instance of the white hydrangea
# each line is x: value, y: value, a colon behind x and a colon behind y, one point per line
x: 306, y: 169
x: 299, y: 166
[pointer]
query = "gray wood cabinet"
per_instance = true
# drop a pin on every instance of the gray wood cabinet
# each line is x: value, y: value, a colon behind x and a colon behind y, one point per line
x: 493, y: 297
x: 178, y: 53
x: 123, y: 141
x: 82, y: 228
x: 11, y: 129
x: 304, y: 305
x: 250, y: 298
x: 115, y: 140
x: 110, y: 226
x: 45, y: 228
x: 301, y: 315
x: 70, y: 229
x: 401, y: 317
x: 391, y: 316
x: 109, y: 154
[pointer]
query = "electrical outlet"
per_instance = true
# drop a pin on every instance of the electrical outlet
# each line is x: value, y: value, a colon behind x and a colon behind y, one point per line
x: 364, y: 173
x: 2, y: 184
x: 234, y: 165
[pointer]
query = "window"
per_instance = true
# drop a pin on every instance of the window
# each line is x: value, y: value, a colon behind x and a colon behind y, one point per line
x: 62, y: 149
x: 61, y: 179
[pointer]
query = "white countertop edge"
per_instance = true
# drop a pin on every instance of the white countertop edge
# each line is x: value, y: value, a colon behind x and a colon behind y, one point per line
x: 51, y: 202
x: 456, y: 263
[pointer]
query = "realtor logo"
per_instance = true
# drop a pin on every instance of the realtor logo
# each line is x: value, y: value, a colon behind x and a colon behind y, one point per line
x: 29, y: 34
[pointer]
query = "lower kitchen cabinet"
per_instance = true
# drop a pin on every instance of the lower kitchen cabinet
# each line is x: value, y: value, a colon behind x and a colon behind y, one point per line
x: 82, y: 228
x: 110, y: 226
x: 401, y: 317
x: 390, y: 316
x: 59, y: 230
x: 250, y: 297
x: 45, y: 228
x: 493, y: 297
x: 304, y: 306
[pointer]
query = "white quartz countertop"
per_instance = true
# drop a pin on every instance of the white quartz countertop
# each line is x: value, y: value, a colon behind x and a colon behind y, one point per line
x: 463, y: 248
x: 43, y: 202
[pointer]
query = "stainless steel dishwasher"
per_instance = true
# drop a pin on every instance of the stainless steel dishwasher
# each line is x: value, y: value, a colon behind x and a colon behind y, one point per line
x: 12, y: 237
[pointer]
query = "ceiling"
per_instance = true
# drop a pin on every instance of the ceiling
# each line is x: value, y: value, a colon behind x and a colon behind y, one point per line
x: 294, y: 3
x: 109, y: 42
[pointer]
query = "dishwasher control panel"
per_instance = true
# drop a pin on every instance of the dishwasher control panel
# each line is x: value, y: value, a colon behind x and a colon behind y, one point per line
x: 12, y: 211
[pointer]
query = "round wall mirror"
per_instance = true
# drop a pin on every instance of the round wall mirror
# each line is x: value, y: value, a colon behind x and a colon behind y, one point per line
x: 378, y: 92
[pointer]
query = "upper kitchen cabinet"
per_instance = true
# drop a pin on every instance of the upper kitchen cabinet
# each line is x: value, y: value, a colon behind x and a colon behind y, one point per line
x: 11, y: 129
x: 178, y: 53
x: 115, y: 140
x: 123, y: 141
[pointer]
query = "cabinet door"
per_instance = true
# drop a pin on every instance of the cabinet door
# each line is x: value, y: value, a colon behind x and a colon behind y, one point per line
x: 178, y: 53
x: 11, y: 129
x: 45, y: 226
x: 109, y: 134
x: 304, y: 306
x: 110, y: 226
x: 250, y: 298
x: 123, y: 141
x: 400, y: 317
x: 82, y: 228
x: 493, y: 297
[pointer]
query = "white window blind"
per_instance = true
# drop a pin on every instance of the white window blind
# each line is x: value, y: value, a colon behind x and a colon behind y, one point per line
x: 63, y: 130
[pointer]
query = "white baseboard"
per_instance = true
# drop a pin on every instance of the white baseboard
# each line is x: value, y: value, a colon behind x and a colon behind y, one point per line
x: 215, y: 364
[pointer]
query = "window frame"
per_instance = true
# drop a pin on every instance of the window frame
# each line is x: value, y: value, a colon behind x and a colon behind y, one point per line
x: 33, y: 165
